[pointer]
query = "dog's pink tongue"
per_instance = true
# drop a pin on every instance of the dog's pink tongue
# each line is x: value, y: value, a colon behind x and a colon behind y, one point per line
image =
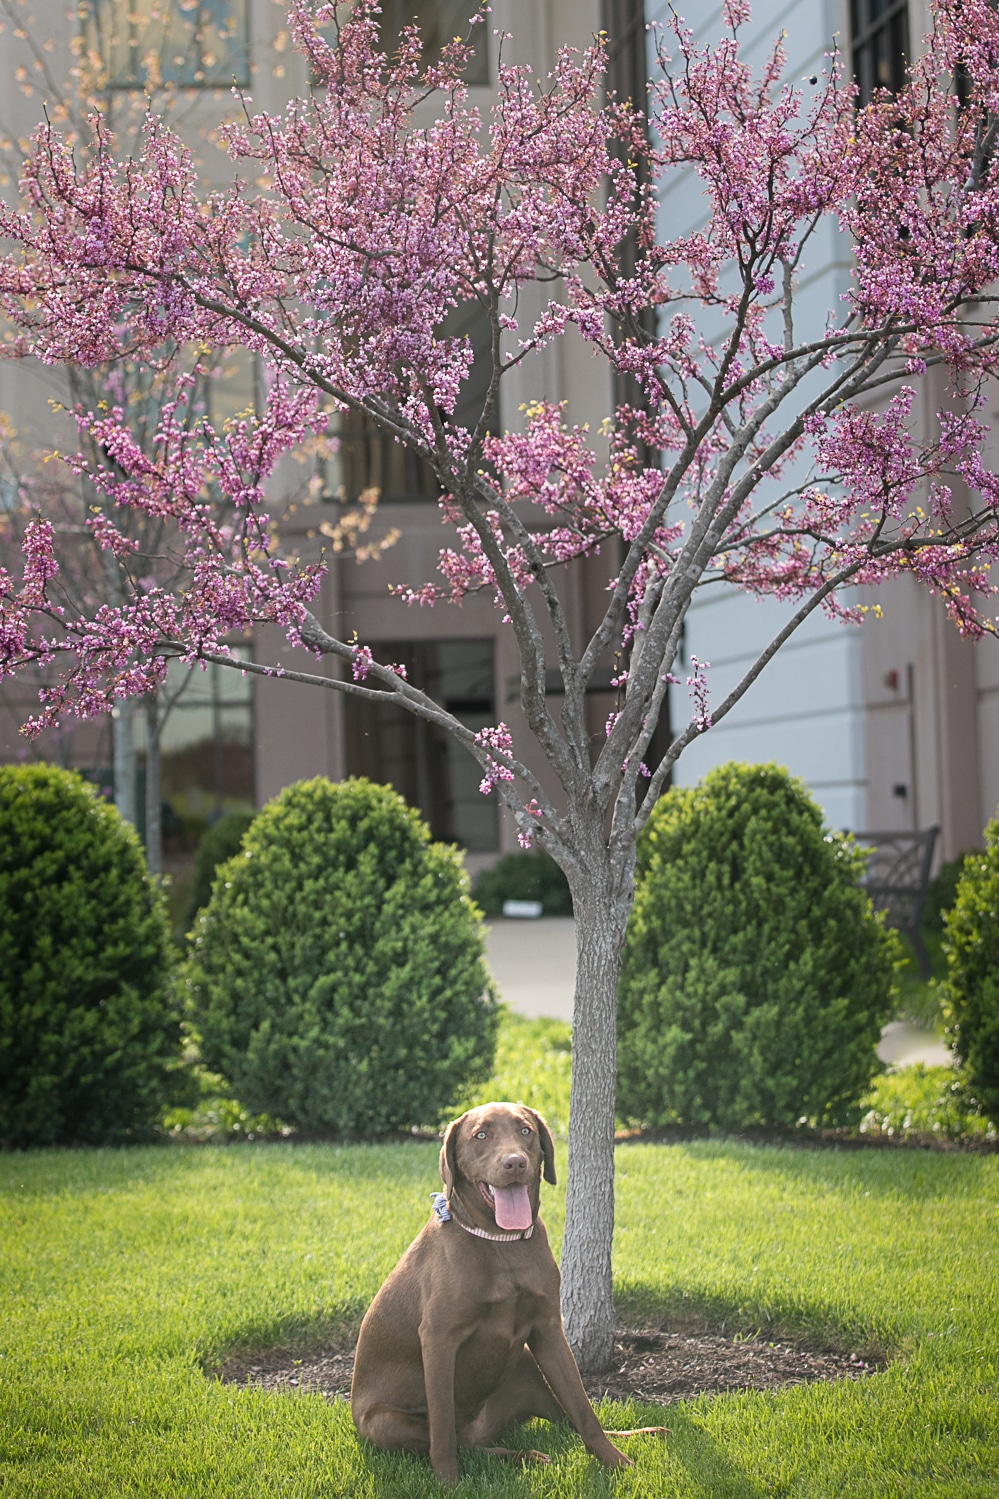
x: 512, y: 1207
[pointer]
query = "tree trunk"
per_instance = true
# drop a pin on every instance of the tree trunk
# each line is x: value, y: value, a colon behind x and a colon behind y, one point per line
x: 154, y: 799
x: 587, y: 1288
x: 123, y: 722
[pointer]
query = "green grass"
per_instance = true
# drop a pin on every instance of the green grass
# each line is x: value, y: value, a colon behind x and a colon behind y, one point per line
x: 919, y: 999
x: 124, y: 1274
x: 923, y: 1102
x: 534, y: 1066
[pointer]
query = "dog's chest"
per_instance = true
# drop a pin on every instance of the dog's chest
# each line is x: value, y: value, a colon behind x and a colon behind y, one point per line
x: 494, y: 1343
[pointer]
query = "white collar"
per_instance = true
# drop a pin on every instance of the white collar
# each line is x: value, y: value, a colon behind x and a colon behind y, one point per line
x: 444, y: 1208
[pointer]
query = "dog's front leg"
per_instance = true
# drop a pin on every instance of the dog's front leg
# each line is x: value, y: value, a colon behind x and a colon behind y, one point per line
x: 438, y: 1378
x: 556, y: 1362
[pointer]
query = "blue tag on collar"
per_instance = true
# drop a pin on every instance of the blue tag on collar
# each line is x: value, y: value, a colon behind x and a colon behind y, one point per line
x: 441, y: 1207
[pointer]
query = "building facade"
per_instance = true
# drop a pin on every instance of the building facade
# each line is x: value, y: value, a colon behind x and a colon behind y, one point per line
x: 892, y: 725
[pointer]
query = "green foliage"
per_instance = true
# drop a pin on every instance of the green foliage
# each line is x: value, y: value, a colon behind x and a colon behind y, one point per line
x: 756, y: 980
x: 337, y: 974
x: 89, y: 1041
x: 920, y: 1000
x: 972, y: 989
x: 917, y: 1103
x: 524, y: 876
x: 217, y: 844
x: 533, y: 1066
x: 941, y: 894
x: 216, y: 1118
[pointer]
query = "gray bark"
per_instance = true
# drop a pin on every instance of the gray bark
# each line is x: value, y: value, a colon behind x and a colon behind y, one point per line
x: 123, y: 733
x: 587, y: 1286
x: 154, y: 798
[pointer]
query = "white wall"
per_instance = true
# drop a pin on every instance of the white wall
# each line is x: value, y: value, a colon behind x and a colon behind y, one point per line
x: 806, y: 710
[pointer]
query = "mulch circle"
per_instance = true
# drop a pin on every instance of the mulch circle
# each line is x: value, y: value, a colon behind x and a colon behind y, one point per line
x: 652, y: 1365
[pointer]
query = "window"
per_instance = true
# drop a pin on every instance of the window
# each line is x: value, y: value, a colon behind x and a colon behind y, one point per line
x: 880, y: 33
x: 440, y: 21
x: 178, y: 43
x: 207, y: 742
x: 369, y: 459
x: 423, y: 762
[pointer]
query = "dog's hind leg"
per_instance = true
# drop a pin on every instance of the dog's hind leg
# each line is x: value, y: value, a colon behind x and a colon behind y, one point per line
x: 393, y: 1430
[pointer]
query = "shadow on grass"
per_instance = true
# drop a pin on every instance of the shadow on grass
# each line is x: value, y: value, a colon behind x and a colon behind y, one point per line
x: 57, y: 1170
x: 909, y: 1172
x: 707, y: 1465
x: 688, y: 1457
x: 279, y: 1341
x: 797, y: 1324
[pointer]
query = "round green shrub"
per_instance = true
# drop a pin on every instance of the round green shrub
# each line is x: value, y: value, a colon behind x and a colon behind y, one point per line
x: 756, y: 979
x: 971, y: 1003
x: 524, y: 876
x: 89, y: 1040
x: 941, y: 894
x: 337, y: 974
x: 217, y: 844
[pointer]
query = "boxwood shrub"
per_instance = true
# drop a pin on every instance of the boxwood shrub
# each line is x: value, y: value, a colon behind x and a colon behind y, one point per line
x: 337, y: 976
x: 756, y: 979
x: 89, y: 1038
x: 971, y: 1001
x: 523, y: 876
x: 217, y: 844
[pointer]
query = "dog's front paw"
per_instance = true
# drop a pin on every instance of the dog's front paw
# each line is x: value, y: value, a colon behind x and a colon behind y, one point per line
x: 446, y: 1472
x: 521, y: 1455
x: 615, y: 1458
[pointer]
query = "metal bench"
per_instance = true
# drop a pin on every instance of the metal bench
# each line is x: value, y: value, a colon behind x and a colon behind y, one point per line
x: 897, y: 879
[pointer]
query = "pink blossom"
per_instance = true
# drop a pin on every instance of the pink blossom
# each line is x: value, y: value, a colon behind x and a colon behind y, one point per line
x: 497, y: 770
x: 339, y: 276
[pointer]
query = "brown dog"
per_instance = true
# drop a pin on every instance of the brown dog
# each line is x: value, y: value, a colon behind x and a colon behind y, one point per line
x: 465, y: 1337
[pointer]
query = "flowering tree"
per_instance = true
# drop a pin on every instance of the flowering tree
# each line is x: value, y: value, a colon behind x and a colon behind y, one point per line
x: 90, y: 574
x: 791, y: 465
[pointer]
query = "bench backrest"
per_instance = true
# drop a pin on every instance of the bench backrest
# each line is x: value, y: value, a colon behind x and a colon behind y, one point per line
x: 898, y: 872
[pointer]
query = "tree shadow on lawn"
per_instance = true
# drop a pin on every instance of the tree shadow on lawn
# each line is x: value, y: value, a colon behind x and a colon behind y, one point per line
x: 909, y: 1172
x: 669, y: 1357
x: 797, y: 1343
x: 50, y: 1168
x: 661, y: 1463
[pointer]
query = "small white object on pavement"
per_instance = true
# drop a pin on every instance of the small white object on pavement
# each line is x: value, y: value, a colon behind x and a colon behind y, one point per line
x: 526, y: 910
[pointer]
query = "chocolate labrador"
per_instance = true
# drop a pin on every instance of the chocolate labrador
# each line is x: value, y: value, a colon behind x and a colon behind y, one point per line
x: 465, y: 1337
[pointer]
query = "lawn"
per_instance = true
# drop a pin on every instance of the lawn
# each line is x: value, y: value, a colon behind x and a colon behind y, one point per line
x: 124, y: 1274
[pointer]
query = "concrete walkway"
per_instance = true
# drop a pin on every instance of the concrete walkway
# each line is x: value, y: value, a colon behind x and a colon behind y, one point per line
x: 903, y: 1044
x: 534, y: 964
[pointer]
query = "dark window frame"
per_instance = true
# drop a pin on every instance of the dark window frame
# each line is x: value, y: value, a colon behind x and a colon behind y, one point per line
x: 432, y: 770
x: 399, y: 13
x: 879, y: 45
x: 230, y: 701
x: 370, y: 458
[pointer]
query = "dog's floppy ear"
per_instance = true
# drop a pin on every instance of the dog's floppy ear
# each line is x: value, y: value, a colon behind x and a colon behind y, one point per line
x: 448, y: 1167
x: 547, y: 1148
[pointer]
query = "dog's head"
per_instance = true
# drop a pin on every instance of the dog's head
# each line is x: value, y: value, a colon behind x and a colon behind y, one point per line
x: 494, y: 1157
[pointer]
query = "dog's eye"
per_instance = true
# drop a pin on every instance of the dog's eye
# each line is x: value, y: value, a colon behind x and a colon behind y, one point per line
x: 481, y: 1135
x: 525, y: 1130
